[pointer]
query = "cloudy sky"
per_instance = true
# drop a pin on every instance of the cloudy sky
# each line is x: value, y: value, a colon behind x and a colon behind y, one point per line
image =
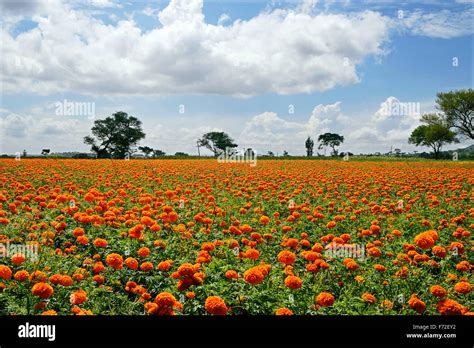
x: 269, y: 73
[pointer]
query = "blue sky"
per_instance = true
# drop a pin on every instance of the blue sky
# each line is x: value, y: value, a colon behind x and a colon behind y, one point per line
x: 269, y: 73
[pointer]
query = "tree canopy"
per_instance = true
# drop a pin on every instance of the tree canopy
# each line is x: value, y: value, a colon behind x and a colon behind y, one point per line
x: 332, y: 140
x: 115, y: 136
x: 458, y: 110
x: 434, y: 133
x: 309, y: 144
x: 217, y: 142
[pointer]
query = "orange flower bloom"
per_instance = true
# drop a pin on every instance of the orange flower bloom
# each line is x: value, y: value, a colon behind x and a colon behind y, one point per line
x: 146, y: 266
x: 131, y: 263
x: 450, y: 307
x: 42, y: 290
x: 114, y: 260
x: 286, y: 257
x: 417, y: 304
x: 293, y: 282
x: 463, y: 266
x: 264, y: 220
x: 463, y: 287
x: 325, y: 299
x: 5, y: 272
x: 253, y: 276
x: 283, y: 311
x: 438, y: 291
x: 424, y: 240
x: 350, y: 264
x: 143, y: 252
x: 216, y: 305
x: 65, y: 280
x: 18, y: 259
x: 164, y: 304
x: 78, y: 297
x: 231, y: 274
x: 380, y: 268
x: 439, y: 251
x: 22, y: 275
x: 368, y: 298
x: 101, y: 243
x: 164, y: 266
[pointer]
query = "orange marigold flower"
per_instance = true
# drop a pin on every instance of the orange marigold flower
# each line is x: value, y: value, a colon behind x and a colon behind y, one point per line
x: 375, y: 252
x: 231, y: 274
x: 5, y: 272
x: 164, y: 304
x: 78, y: 231
x: 456, y: 248
x: 37, y: 276
x: 424, y: 240
x: 417, y: 304
x: 98, y: 279
x: 146, y: 266
x: 386, y: 304
x: 49, y: 312
x: 190, y: 295
x: 350, y: 264
x: 114, y: 260
x: 65, y: 280
x: 251, y: 253
x: 82, y: 240
x: 164, y: 266
x: 283, y: 311
x: 380, y: 268
x: 42, y: 290
x: 368, y: 298
x: 438, y: 291
x: 325, y: 299
x: 131, y: 263
x: 155, y: 228
x: 143, y: 252
x: 253, y: 276
x: 463, y: 266
x: 463, y: 287
x: 100, y: 242
x: 286, y: 257
x: 264, y: 220
x: 22, y: 275
x: 186, y: 269
x: 293, y: 282
x: 78, y: 297
x: 450, y: 307
x: 215, y: 305
x: 18, y: 259
x: 439, y: 251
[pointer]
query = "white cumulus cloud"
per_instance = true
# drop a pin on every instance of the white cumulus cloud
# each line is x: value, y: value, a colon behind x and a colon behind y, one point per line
x: 280, y: 51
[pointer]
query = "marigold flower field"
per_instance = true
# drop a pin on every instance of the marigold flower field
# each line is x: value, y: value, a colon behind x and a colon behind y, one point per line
x: 198, y: 237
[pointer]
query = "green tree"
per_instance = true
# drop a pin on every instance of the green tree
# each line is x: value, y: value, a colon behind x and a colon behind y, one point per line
x: 217, y: 142
x: 332, y: 140
x: 458, y: 110
x: 433, y: 135
x: 309, y: 147
x: 158, y: 153
x: 146, y: 150
x: 115, y: 135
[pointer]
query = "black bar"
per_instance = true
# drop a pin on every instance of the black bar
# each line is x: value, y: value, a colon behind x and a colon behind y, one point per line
x: 261, y: 330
